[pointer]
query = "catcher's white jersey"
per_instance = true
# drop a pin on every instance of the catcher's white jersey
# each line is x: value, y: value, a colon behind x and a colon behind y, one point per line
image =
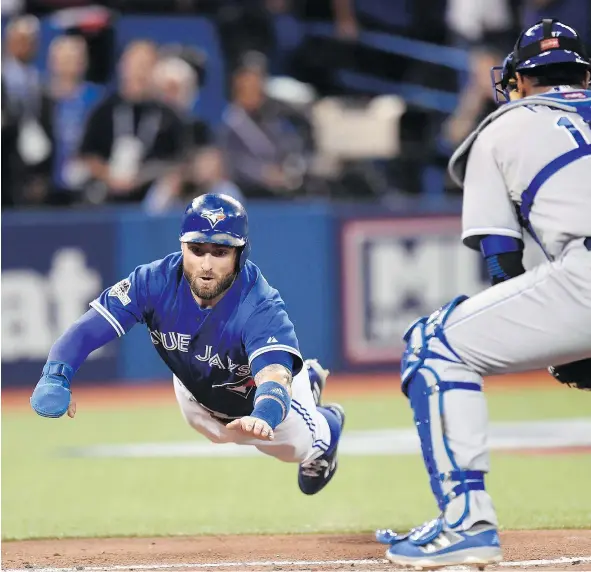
x: 535, y: 161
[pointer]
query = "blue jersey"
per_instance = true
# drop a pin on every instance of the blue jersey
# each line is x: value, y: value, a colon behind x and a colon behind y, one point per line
x: 209, y: 350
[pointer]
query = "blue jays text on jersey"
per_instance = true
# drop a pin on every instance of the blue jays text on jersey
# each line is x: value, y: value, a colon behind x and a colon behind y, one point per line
x: 209, y: 350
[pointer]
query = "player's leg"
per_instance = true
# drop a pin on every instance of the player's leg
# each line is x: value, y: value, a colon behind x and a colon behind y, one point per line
x: 318, y: 376
x: 535, y: 320
x: 310, y: 433
x: 529, y: 322
x: 451, y: 418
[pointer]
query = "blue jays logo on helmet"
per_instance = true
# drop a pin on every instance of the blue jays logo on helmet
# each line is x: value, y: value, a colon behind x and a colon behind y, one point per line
x: 214, y: 216
x: 217, y: 219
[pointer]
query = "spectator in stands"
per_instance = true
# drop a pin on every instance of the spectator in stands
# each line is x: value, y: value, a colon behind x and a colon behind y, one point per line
x: 132, y: 139
x: 8, y: 148
x: 20, y: 77
x: 209, y: 175
x: 206, y: 175
x: 489, y: 36
x: 175, y: 84
x: 265, y: 153
x: 27, y: 145
x: 476, y: 99
x: 244, y: 25
x: 70, y: 100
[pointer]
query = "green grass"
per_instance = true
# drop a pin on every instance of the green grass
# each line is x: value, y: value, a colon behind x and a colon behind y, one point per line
x: 513, y: 405
x: 45, y: 494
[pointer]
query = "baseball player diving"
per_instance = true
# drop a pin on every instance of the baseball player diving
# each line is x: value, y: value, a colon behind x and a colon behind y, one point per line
x: 527, y: 167
x: 225, y: 334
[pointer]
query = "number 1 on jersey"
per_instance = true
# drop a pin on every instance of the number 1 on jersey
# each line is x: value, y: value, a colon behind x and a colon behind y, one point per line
x: 574, y: 131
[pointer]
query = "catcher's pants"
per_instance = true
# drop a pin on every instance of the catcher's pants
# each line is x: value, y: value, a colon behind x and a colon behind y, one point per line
x: 535, y: 320
x: 302, y: 436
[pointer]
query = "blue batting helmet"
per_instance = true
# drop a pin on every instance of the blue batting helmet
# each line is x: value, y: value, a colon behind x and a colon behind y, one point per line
x: 548, y: 42
x: 217, y: 219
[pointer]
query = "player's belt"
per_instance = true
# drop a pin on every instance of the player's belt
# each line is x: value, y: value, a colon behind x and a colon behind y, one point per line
x: 587, y: 243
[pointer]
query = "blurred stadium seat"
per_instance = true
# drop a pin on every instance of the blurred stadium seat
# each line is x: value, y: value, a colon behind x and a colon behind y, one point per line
x: 353, y: 130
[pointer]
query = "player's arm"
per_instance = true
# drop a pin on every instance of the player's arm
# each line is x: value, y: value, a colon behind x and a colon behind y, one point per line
x: 273, y: 375
x: 489, y: 219
x: 280, y: 373
x: 503, y: 256
x: 111, y: 315
x: 274, y: 358
x: 52, y: 395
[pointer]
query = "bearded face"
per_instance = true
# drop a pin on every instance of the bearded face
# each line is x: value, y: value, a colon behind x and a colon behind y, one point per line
x: 210, y: 269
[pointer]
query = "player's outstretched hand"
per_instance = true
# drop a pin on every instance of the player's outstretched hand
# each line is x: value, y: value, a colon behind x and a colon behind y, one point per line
x: 52, y: 397
x: 252, y: 426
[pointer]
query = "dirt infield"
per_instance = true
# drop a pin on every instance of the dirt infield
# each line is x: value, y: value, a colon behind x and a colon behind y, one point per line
x: 301, y: 552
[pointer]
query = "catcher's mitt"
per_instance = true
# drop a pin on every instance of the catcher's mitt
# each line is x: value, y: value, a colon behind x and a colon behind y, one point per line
x: 575, y: 374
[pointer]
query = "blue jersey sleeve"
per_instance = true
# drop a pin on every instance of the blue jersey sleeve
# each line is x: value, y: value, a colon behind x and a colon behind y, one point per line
x: 129, y: 301
x: 269, y: 329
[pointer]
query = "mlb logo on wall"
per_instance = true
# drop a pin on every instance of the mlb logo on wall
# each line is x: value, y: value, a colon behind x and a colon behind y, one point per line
x: 395, y: 271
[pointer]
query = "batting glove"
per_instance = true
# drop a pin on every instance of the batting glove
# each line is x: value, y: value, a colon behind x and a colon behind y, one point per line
x: 52, y: 394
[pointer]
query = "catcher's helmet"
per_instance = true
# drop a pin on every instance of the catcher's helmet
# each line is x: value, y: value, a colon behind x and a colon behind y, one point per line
x: 217, y: 219
x: 548, y: 42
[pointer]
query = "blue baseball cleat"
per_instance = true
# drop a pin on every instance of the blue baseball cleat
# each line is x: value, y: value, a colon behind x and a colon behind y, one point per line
x: 314, y: 475
x: 388, y: 536
x: 433, y: 546
x: 318, y: 376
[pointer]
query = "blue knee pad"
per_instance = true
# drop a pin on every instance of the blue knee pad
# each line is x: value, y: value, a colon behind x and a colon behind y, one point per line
x: 422, y: 384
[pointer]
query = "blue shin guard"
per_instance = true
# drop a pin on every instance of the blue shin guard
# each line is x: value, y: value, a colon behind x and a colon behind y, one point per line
x: 431, y: 373
x: 450, y: 416
x: 426, y: 395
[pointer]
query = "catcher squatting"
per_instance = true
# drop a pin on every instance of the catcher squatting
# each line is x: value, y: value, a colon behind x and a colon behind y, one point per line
x: 527, y: 166
x: 238, y: 373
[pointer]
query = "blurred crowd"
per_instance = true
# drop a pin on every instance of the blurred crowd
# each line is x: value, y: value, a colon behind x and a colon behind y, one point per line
x: 68, y: 141
x: 132, y: 135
